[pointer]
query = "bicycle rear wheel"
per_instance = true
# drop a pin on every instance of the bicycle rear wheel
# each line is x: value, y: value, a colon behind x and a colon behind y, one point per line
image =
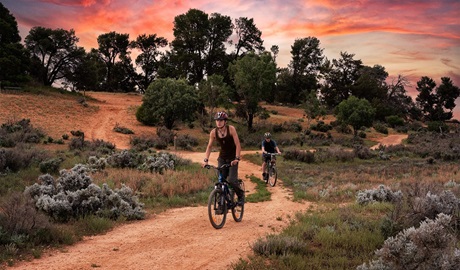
x: 272, y: 176
x: 238, y: 210
x: 217, y: 209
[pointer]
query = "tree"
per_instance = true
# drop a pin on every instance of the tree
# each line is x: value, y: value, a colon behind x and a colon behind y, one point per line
x: 213, y: 92
x: 340, y: 76
x: 371, y: 83
x: 249, y: 37
x: 396, y: 101
x: 14, y: 59
x: 149, y: 58
x: 9, y: 32
x: 253, y: 75
x: 198, y: 48
x: 167, y: 101
x: 89, y: 73
x: 447, y: 93
x: 313, y: 107
x: 306, y: 63
x: 355, y: 112
x: 113, y: 49
x: 54, y: 51
x: 433, y: 101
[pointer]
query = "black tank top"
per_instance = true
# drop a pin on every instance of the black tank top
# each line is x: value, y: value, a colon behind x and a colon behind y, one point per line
x: 227, y: 145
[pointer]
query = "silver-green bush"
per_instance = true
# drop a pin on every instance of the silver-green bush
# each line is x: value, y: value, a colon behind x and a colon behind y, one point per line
x: 431, y: 246
x: 73, y: 195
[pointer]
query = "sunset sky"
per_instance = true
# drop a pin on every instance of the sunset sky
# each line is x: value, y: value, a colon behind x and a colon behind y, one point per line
x: 413, y: 38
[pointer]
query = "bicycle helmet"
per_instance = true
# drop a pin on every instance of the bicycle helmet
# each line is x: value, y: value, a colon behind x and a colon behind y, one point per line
x: 267, y: 135
x: 221, y: 116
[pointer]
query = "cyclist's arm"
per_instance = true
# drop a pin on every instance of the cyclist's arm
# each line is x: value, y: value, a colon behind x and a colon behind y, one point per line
x: 278, y: 150
x: 212, y: 136
x: 236, y: 139
x: 263, y: 147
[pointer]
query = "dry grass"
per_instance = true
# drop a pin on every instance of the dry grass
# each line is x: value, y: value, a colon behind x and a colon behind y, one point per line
x: 146, y: 184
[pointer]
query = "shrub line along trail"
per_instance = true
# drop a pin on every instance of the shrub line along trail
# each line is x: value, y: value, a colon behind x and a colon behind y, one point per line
x: 181, y: 238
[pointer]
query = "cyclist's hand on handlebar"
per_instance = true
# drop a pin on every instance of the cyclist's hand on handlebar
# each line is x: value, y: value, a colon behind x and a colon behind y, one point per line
x: 234, y: 162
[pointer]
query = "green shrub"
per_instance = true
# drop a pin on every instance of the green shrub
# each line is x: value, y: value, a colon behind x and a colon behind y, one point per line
x: 186, y: 141
x: 380, y: 127
x: 321, y: 126
x: 394, y: 121
x: 122, y: 130
x: 437, y: 126
x: 50, y: 165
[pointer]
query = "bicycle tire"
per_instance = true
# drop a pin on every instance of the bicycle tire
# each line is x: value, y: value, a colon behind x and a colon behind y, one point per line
x: 272, y: 176
x: 217, y: 209
x: 238, y: 210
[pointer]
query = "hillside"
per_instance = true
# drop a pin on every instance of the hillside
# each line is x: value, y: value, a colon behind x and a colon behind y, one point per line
x: 58, y: 114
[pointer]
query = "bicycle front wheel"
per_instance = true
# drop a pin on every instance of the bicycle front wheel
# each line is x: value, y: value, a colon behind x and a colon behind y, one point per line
x: 272, y: 176
x: 238, y: 210
x: 217, y: 209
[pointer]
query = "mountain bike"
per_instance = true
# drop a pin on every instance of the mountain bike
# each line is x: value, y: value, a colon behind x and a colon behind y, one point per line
x: 222, y: 199
x: 270, y: 169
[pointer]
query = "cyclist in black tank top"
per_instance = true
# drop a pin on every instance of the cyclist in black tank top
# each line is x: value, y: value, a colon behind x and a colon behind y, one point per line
x: 230, y: 148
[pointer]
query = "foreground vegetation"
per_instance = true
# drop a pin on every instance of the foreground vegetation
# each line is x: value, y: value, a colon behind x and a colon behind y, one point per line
x: 357, y: 190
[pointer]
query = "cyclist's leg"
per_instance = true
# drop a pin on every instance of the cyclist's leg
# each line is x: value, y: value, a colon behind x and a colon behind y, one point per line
x: 264, y: 166
x: 233, y: 181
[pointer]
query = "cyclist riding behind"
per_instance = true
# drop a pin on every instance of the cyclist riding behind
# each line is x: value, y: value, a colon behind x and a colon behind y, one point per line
x: 229, y: 153
x: 268, y: 146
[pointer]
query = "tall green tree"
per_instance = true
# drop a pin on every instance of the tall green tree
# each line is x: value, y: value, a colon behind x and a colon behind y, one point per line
x: 198, y: 48
x: 306, y: 63
x: 113, y: 51
x: 433, y: 101
x: 54, y: 51
x: 340, y: 76
x: 397, y: 101
x: 167, y: 101
x: 249, y: 37
x: 214, y: 92
x: 14, y: 59
x: 284, y: 86
x: 371, y: 83
x: 313, y: 107
x: 89, y: 73
x: 355, y: 112
x: 149, y: 58
x: 253, y: 75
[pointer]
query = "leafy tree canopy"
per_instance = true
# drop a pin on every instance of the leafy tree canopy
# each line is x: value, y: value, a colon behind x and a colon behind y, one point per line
x: 355, y: 112
x: 167, y: 101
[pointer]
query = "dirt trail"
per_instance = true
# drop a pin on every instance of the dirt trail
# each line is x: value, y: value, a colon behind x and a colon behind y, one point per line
x: 392, y: 139
x: 176, y: 239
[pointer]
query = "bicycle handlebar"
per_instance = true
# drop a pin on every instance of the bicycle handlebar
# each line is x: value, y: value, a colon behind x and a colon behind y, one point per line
x: 217, y: 168
x: 272, y: 154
